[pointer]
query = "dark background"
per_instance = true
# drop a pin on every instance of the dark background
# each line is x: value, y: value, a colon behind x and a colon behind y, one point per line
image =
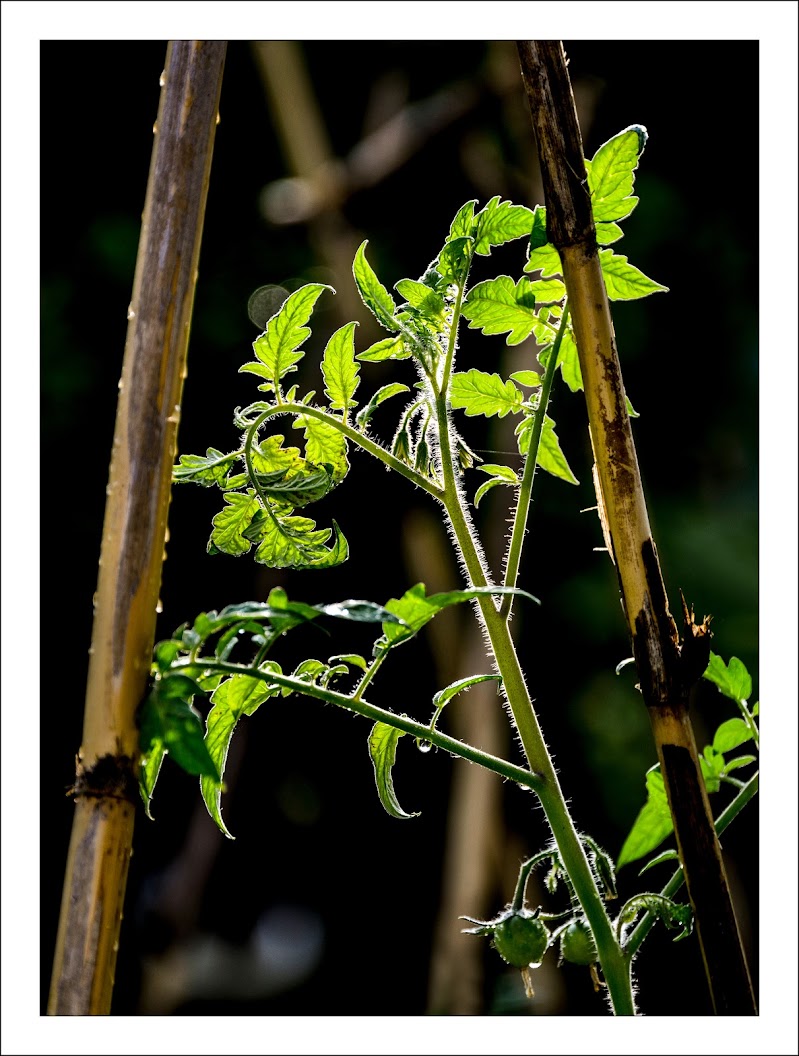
x: 317, y: 865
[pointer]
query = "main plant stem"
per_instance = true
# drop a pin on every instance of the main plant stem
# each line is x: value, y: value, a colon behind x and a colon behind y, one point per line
x: 615, y: 965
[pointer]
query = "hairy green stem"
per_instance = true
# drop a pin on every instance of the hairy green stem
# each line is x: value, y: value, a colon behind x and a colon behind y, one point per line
x: 526, y: 490
x: 370, y: 711
x: 730, y: 812
x: 615, y: 966
x: 524, y: 875
x: 365, y: 442
x: 374, y: 667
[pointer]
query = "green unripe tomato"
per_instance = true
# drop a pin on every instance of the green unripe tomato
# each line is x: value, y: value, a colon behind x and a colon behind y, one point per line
x: 521, y: 939
x: 577, y: 944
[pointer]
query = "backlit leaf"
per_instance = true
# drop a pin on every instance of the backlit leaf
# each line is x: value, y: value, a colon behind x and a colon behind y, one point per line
x: 499, y: 306
x: 730, y: 734
x: 463, y: 222
x: 206, y: 470
x: 373, y: 293
x: 623, y: 281
x: 416, y: 609
x: 340, y: 369
x: 296, y: 542
x: 479, y: 393
x: 550, y: 457
x: 426, y: 301
x: 610, y: 176
x: 276, y: 348
x: 653, y: 823
x: 388, y: 348
x: 235, y: 697
x: 386, y: 392
x: 499, y: 475
x: 324, y: 444
x: 231, y: 523
x: 383, y: 751
x: 500, y: 222
x: 734, y: 680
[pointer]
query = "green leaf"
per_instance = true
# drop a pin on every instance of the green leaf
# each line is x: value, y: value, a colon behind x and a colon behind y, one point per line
x: 373, y: 293
x: 665, y: 856
x: 149, y: 769
x: 538, y: 231
x: 271, y: 457
x: 426, y: 301
x: 545, y: 259
x: 416, y: 609
x: 711, y: 764
x: 276, y: 348
x: 623, y: 281
x: 463, y: 222
x: 569, y: 362
x: 232, y: 522
x: 606, y: 234
x: 479, y: 393
x: 206, y: 470
x: 444, y: 696
x: 340, y: 369
x: 653, y: 823
x: 550, y: 457
x: 672, y: 914
x: 499, y: 475
x: 733, y: 681
x: 739, y: 761
x: 382, y: 751
x: 168, y: 723
x: 363, y: 416
x: 165, y: 653
x: 388, y: 348
x: 499, y: 306
x: 235, y: 697
x: 455, y: 259
x: 354, y: 659
x: 547, y: 291
x: 324, y: 444
x: 529, y: 378
x: 298, y: 490
x: 610, y: 174
x: 730, y: 734
x: 295, y: 542
x: 500, y: 222
x: 359, y: 612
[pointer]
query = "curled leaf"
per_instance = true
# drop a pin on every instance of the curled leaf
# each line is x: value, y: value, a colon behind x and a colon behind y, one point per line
x: 383, y: 750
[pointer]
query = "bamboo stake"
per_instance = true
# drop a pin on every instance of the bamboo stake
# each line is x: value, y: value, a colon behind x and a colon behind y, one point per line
x: 667, y: 664
x: 134, y: 531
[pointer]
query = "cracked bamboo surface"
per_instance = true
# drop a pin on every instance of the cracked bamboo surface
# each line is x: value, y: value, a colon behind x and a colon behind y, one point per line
x: 668, y: 664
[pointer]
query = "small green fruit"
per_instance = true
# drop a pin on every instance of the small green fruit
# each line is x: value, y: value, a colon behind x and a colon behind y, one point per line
x: 521, y: 939
x: 577, y: 944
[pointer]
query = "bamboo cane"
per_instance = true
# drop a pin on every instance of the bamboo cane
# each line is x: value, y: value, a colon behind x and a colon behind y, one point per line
x: 667, y: 664
x: 134, y: 531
